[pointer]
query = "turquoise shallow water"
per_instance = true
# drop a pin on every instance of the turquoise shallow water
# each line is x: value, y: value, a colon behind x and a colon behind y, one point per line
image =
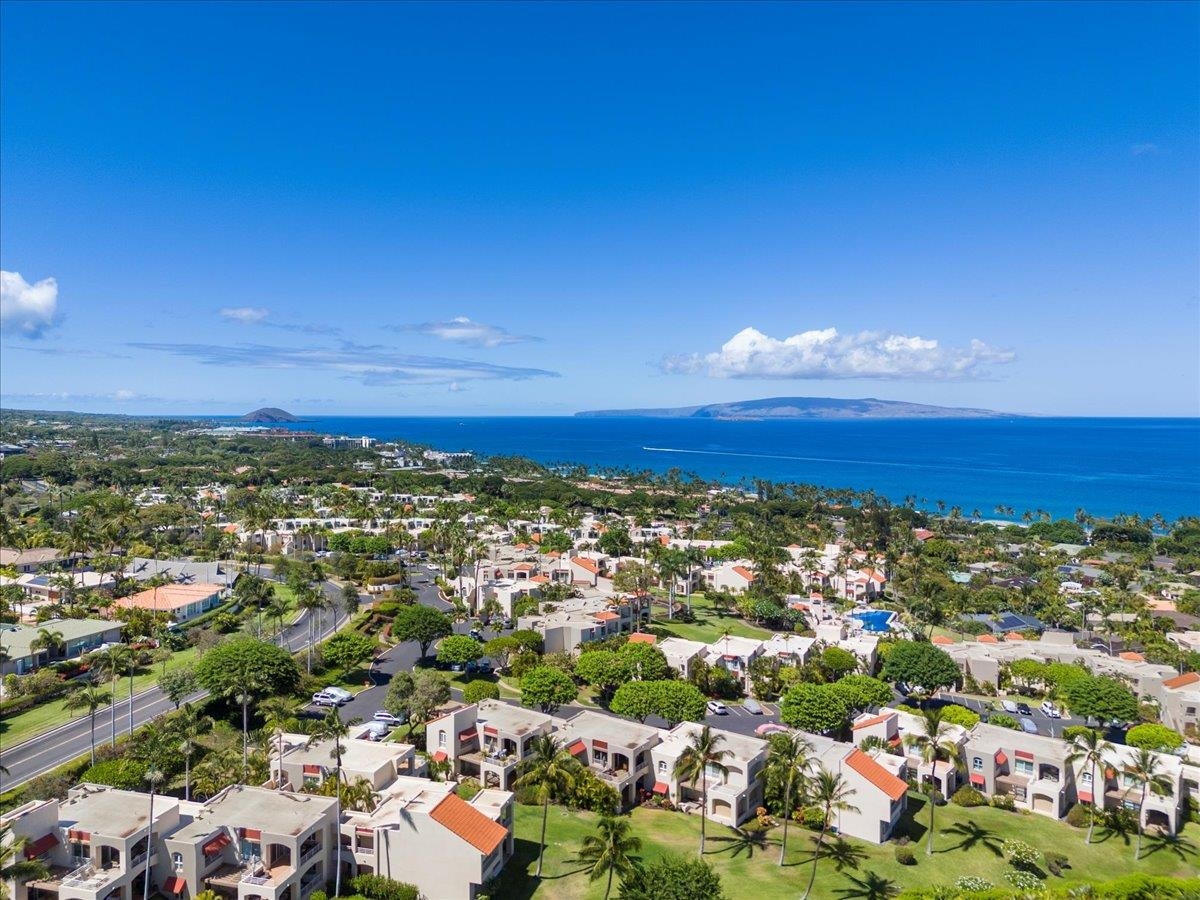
x: 1103, y: 465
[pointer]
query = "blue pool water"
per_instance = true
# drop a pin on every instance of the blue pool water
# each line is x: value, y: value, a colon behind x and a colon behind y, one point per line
x: 876, y: 620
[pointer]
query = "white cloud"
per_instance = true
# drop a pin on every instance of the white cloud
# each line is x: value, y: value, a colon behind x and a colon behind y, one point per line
x: 462, y: 330
x: 827, y: 354
x: 1146, y: 149
x: 28, y: 309
x: 247, y: 315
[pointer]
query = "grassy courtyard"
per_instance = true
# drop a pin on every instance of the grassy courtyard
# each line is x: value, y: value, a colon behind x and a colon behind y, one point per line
x: 708, y: 625
x: 967, y: 842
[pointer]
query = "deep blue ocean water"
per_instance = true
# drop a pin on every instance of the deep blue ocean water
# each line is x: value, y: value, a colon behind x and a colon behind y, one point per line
x: 1105, y: 466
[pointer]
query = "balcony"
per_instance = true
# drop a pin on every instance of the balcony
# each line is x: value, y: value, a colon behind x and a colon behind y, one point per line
x: 310, y: 854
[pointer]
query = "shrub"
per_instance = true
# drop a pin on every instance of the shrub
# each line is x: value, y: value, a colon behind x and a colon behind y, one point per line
x: 1120, y: 820
x: 1004, y: 801
x: 1004, y: 720
x: 1153, y: 737
x: 905, y: 855
x: 968, y: 796
x: 960, y: 715
x: 1022, y: 880
x: 376, y: 887
x: 124, y: 773
x: 1079, y: 816
x: 1056, y: 862
x: 481, y: 689
x: 1021, y: 854
x: 973, y: 884
x: 319, y: 895
x: 813, y: 817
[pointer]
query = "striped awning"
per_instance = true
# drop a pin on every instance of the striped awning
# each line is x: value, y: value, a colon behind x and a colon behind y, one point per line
x: 40, y: 846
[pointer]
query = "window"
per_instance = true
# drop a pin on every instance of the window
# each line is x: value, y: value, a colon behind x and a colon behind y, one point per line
x: 1085, y: 778
x: 1024, y: 767
x: 441, y: 739
x: 977, y: 764
x: 662, y: 765
x: 600, y: 757
x: 177, y: 861
x: 711, y: 771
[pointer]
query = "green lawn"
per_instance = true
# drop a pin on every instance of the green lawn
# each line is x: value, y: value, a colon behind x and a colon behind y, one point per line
x: 708, y: 625
x: 967, y: 843
x: 33, y: 722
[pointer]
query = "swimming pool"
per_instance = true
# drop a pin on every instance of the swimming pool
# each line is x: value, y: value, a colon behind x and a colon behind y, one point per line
x: 876, y: 620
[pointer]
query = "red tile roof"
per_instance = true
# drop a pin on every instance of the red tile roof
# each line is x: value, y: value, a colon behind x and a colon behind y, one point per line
x: 1182, y: 680
x: 1013, y: 636
x: 744, y: 572
x: 457, y: 815
x: 586, y: 564
x: 640, y: 637
x: 987, y: 639
x: 876, y: 774
x: 1131, y: 656
x: 941, y: 639
x: 169, y: 596
x: 874, y: 720
x: 606, y: 616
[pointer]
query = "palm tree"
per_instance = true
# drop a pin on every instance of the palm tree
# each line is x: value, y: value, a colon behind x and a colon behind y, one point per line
x: 831, y: 793
x: 90, y: 698
x: 185, y: 725
x: 701, y: 757
x: 610, y: 850
x: 934, y: 744
x: 152, y: 749
x: 312, y: 600
x: 359, y: 795
x: 332, y: 728
x: 13, y: 864
x: 51, y: 641
x: 1090, y: 749
x: 1145, y: 771
x: 550, y: 770
x: 279, y: 713
x: 789, y: 765
x: 244, y: 692
x: 112, y: 663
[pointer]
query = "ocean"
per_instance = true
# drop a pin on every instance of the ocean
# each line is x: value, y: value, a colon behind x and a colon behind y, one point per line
x: 1104, y: 466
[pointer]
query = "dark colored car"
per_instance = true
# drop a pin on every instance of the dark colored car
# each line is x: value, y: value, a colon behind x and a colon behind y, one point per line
x: 1023, y: 709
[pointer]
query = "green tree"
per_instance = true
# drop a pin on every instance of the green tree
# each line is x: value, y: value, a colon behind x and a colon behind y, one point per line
x: 14, y: 866
x: 244, y: 659
x: 678, y: 701
x: 1088, y: 747
x: 49, y: 640
x: 111, y: 664
x: 152, y: 750
x: 179, y: 684
x: 837, y: 662
x: 610, y: 851
x: 279, y: 714
x: 422, y: 624
x: 673, y: 877
x: 89, y: 698
x: 547, y: 688
x: 549, y: 771
x: 934, y: 743
x: 347, y: 649
x: 350, y: 599
x: 789, y: 766
x: 480, y: 689
x: 702, y: 757
x: 186, y: 726
x: 334, y: 730
x: 920, y: 664
x: 1102, y: 698
x: 1152, y: 736
x: 636, y: 700
x: 416, y: 695
x: 861, y: 692
x: 459, y: 649
x: 1147, y: 772
x: 602, y: 669
x: 644, y: 662
x: 818, y: 708
x: 829, y: 793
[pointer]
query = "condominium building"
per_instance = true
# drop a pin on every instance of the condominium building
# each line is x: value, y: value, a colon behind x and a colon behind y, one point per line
x: 487, y: 740
x: 734, y: 792
x: 616, y: 750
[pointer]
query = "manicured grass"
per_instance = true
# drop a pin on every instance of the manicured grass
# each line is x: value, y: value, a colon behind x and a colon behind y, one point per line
x: 460, y: 680
x: 33, y: 722
x: 967, y: 842
x: 708, y: 625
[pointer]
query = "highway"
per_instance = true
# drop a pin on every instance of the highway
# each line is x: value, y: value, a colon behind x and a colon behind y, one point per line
x: 72, y: 739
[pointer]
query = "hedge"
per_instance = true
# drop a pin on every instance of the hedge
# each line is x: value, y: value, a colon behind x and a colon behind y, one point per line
x: 376, y: 887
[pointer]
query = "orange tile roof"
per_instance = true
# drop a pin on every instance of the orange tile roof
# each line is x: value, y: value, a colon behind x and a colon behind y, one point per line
x: 605, y: 616
x: 876, y: 774
x: 523, y: 567
x: 1131, y: 656
x: 586, y: 564
x: 744, y: 572
x: 987, y: 639
x: 457, y: 815
x: 1013, y: 636
x: 874, y: 720
x: 540, y: 579
x: 169, y: 596
x: 640, y: 637
x: 230, y: 529
x: 1182, y: 680
x: 664, y: 540
x: 941, y: 639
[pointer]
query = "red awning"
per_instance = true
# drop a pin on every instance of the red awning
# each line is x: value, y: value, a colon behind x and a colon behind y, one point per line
x: 978, y: 779
x: 217, y: 844
x: 1024, y: 754
x: 439, y: 755
x: 1085, y: 796
x: 175, y: 885
x: 310, y: 769
x: 599, y: 745
x: 490, y: 729
x: 661, y: 787
x: 40, y: 846
x: 252, y: 834
x: 577, y: 748
x: 1001, y: 758
x: 468, y: 734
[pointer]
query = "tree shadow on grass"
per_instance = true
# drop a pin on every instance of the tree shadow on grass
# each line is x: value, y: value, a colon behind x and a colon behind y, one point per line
x: 1173, y: 844
x: 742, y: 840
x: 869, y: 887
x: 971, y: 835
x: 838, y: 852
x: 517, y: 880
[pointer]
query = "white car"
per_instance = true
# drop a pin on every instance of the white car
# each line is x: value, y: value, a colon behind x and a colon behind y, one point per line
x: 717, y: 708
x: 324, y: 698
x: 1050, y: 710
x: 382, y: 715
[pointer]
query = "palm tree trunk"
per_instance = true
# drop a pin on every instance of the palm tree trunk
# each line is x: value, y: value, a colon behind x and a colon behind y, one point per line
x: 787, y: 814
x: 816, y: 856
x: 93, y: 735
x: 187, y: 777
x: 1092, y: 820
x: 131, y: 698
x: 149, y: 848
x: 114, y: 709
x: 703, y: 812
x: 246, y: 738
x: 608, y: 887
x: 542, y: 845
x: 337, y: 847
x: 932, y: 804
x: 1137, y: 855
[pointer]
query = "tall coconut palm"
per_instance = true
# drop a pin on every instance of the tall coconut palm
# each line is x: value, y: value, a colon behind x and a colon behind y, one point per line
x: 111, y: 663
x: 90, y: 698
x: 248, y: 686
x: 549, y: 770
x: 610, y: 851
x: 14, y: 867
x: 186, y: 725
x: 1091, y: 750
x: 332, y: 728
x: 1145, y: 771
x: 934, y: 743
x: 789, y: 764
x: 153, y: 750
x: 703, y: 756
x: 279, y: 714
x: 831, y: 793
x: 48, y: 640
x: 311, y: 599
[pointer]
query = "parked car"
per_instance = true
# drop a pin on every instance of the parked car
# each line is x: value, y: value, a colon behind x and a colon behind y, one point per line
x: 1009, y: 707
x: 766, y: 729
x: 382, y: 715
x: 480, y: 666
x: 376, y: 731
x: 752, y: 706
x: 717, y: 708
x: 1023, y: 709
x: 1050, y: 710
x: 324, y: 698
x: 338, y: 692
x: 1028, y: 726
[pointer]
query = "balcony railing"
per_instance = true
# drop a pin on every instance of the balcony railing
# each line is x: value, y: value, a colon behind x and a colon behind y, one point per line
x: 311, y: 853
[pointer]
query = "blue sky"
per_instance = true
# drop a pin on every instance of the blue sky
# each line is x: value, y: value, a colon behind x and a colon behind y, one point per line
x: 537, y: 209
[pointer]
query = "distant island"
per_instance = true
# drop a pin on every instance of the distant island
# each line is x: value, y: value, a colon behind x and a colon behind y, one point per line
x: 805, y: 408
x: 269, y: 414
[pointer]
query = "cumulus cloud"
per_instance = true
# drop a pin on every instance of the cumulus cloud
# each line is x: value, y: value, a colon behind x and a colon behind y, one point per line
x: 246, y: 315
x: 120, y: 396
x: 828, y: 354
x: 28, y: 309
x: 371, y: 365
x: 461, y: 330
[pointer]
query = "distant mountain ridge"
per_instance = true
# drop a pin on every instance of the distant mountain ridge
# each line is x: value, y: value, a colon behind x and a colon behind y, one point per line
x: 805, y: 408
x: 269, y: 414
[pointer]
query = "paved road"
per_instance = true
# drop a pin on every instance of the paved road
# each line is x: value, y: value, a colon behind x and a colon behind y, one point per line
x: 71, y: 740
x: 1045, y: 724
